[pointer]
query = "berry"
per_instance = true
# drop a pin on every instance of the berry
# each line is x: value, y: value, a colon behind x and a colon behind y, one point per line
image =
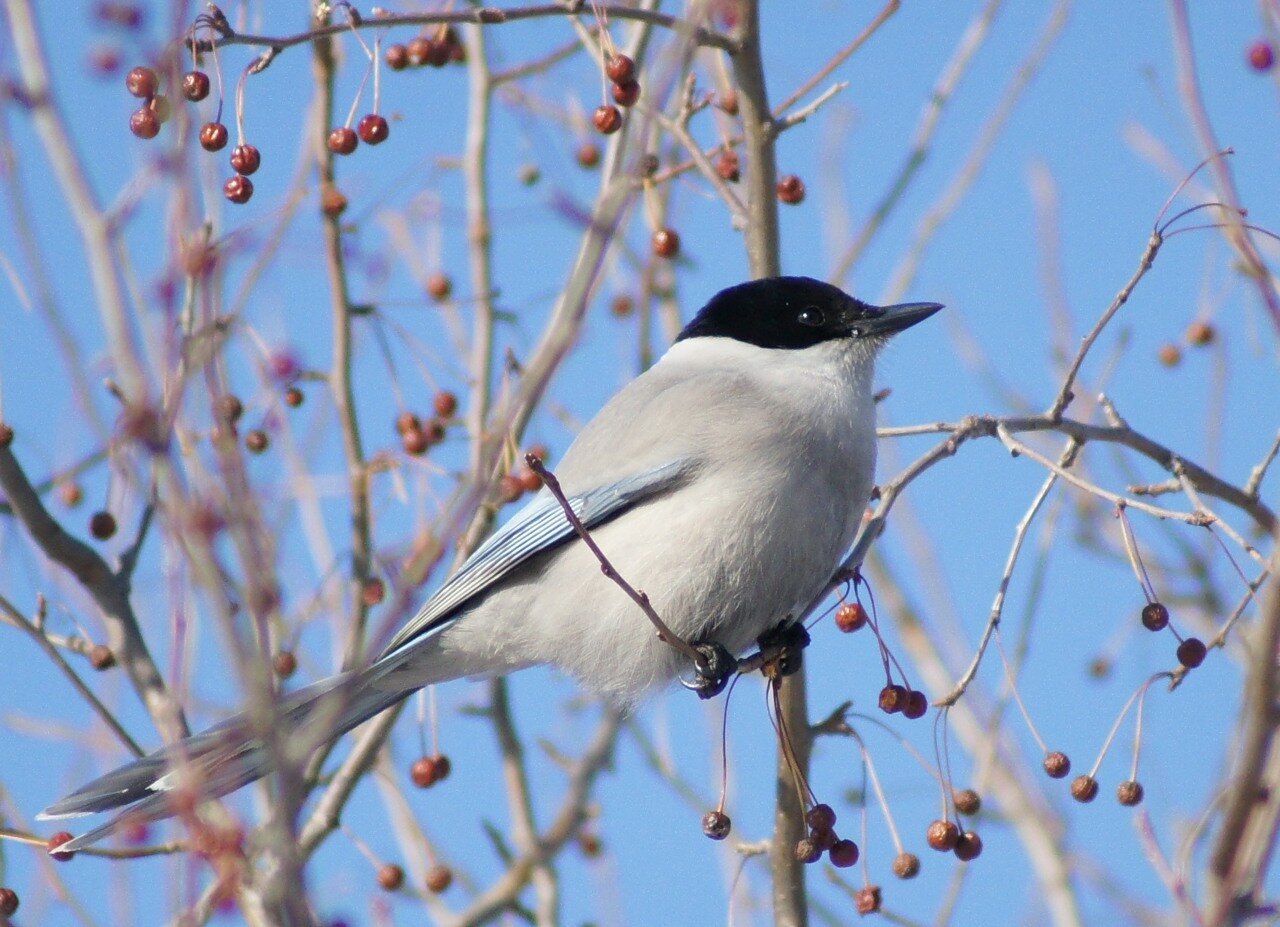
x: 257, y: 441
x: 728, y: 166
x: 791, y: 189
x: 397, y: 57
x: 56, y: 841
x: 245, y: 159
x: 1200, y: 333
x: 666, y: 243
x: 439, y: 286
x: 968, y: 847
x: 446, y: 403
x: 1261, y: 55
x: 104, y: 60
x: 850, y: 617
x: 333, y: 202
x: 942, y: 836
x: 102, y: 525
x: 195, y: 85
x: 620, y: 69
x: 442, y: 766
x: 101, y: 658
x: 70, y: 493
x: 626, y: 93
x: 1191, y: 652
x: 390, y: 877
x: 607, y: 119
x: 142, y: 83
x: 229, y: 408
x: 414, y: 441
x: 821, y: 817
x: 622, y: 306
x: 1084, y: 789
x: 343, y: 140
x: 1155, y: 617
x: 1169, y: 354
x: 293, y: 397
x: 8, y: 902
x: 372, y: 591
x: 439, y: 55
x: 824, y: 839
x: 1129, y: 793
x: 238, y: 189
x: 588, y: 154
x: 1057, y: 764
x: 716, y: 825
x: 510, y: 488
x: 419, y: 51
x: 967, y: 801
x: 906, y: 865
x: 373, y: 129
x: 144, y: 123
x: 6, y: 435
x: 284, y: 664
x: 423, y: 773
x: 893, y: 698
x: 807, y: 851
x: 867, y: 900
x: 843, y: 854
x: 917, y: 705
x: 529, y: 480
x: 439, y: 878
x: 407, y: 421
x: 213, y: 136
x: 590, y: 844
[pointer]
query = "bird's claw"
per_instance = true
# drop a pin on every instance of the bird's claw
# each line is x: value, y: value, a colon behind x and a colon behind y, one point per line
x: 783, y: 647
x: 712, y: 670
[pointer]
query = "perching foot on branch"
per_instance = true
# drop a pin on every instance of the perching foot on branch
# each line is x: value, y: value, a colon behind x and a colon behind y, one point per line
x: 712, y: 669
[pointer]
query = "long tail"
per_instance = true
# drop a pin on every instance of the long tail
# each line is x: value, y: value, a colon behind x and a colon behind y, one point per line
x: 226, y: 756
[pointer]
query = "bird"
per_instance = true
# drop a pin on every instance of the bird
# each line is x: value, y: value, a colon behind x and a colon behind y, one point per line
x: 726, y: 481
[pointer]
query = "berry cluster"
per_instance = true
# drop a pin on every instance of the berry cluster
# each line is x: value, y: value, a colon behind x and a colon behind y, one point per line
x: 821, y: 821
x: 429, y: 770
x: 425, y: 50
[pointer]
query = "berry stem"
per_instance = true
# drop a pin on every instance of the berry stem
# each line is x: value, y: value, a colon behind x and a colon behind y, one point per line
x: 1135, y: 559
x: 1137, y: 726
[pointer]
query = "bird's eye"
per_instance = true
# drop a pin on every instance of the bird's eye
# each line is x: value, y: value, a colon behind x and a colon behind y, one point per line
x: 811, y: 315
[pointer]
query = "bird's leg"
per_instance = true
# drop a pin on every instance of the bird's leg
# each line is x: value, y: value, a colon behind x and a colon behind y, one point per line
x: 712, y: 669
x: 781, y: 650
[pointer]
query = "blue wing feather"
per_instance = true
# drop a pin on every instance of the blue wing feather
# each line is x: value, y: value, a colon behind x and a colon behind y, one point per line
x: 539, y: 526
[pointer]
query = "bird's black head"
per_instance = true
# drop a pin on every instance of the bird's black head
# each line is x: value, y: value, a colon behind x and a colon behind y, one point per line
x: 797, y: 312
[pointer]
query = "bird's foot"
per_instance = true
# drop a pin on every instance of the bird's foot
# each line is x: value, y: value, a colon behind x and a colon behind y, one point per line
x: 712, y: 669
x: 782, y: 649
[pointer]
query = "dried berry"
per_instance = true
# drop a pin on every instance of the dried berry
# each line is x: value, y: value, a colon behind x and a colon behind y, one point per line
x: 893, y: 698
x: 213, y: 136
x: 1155, y: 617
x: 445, y: 404
x: 390, y: 877
x: 419, y: 50
x: 1084, y: 788
x: 1169, y: 354
x: 333, y: 202
x: 967, y: 801
x: 1200, y: 333
x: 229, y: 408
x: 906, y: 865
x: 142, y: 83
x: 195, y: 85
x: 373, y: 129
x: 101, y: 658
x: 284, y: 664
x: 293, y: 397
x: 728, y: 166
x: 245, y: 159
x: 716, y: 825
x: 607, y: 119
x: 867, y: 900
x: 238, y: 189
x: 850, y: 617
x: 807, y: 851
x: 343, y: 140
x: 588, y: 154
x: 1057, y: 764
x: 1191, y: 652
x: 372, y: 591
x: 917, y: 705
x: 942, y: 836
x: 1129, y: 793
x: 439, y: 878
x: 397, y: 57
x: 257, y: 441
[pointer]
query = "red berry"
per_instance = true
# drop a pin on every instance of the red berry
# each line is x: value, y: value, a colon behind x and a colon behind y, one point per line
x: 446, y: 403
x: 284, y: 664
x: 101, y: 658
x: 917, y: 705
x: 439, y: 287
x: 850, y: 617
x: 213, y: 136
x: 824, y: 839
x: 906, y: 865
x: 245, y: 159
x: 390, y: 877
x: 967, y: 801
x: 56, y: 841
x: 414, y: 441
x: 607, y: 119
x: 373, y: 591
x: 968, y: 847
x: 257, y: 441
x: 70, y: 493
x: 588, y: 154
x: 893, y: 698
x: 397, y: 57
x: 144, y: 123
x: 195, y: 85
x: 102, y: 525
x: 620, y: 68
x: 791, y: 189
x: 229, y: 408
x: 942, y: 836
x: 439, y: 878
x: 1191, y: 652
x: 333, y: 202
x: 440, y: 53
x: 716, y: 825
x: 729, y: 168
x: 343, y: 140
x: 529, y: 480
x: 142, y: 82
x: 373, y: 129
x: 1129, y: 793
x: 626, y: 93
x: 419, y: 51
x: 821, y: 817
x: 1155, y: 617
x: 293, y: 397
x: 843, y: 854
x: 8, y: 902
x: 867, y: 900
x: 442, y: 766
x: 423, y: 773
x: 1057, y: 764
x: 1169, y: 354
x: 1084, y: 789
x: 666, y: 243
x: 1261, y: 55
x: 238, y: 189
x: 622, y: 306
x: 1200, y: 333
x: 510, y: 489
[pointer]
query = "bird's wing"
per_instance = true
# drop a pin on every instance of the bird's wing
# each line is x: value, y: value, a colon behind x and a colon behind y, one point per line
x: 538, y: 527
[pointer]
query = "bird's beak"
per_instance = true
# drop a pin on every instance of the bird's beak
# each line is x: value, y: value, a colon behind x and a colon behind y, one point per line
x: 882, y: 321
